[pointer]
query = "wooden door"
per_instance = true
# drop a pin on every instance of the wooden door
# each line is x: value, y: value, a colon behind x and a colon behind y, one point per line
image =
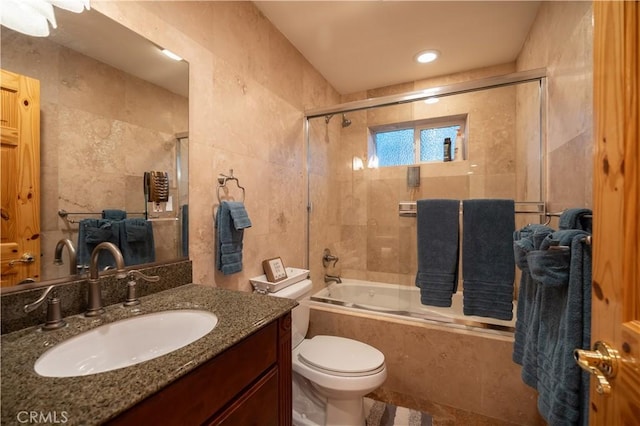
x: 20, y: 170
x: 616, y: 273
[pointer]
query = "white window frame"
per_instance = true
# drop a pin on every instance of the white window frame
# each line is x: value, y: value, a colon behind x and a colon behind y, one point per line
x: 417, y: 126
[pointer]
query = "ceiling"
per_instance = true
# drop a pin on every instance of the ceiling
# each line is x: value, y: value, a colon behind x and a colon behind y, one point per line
x: 360, y: 45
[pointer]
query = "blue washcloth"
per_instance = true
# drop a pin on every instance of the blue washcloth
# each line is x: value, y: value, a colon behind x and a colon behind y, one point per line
x: 488, y: 265
x: 229, y: 237
x: 92, y: 232
x: 563, y: 267
x: 438, y: 236
x: 576, y: 219
x: 136, y: 241
x: 526, y: 240
x: 114, y: 214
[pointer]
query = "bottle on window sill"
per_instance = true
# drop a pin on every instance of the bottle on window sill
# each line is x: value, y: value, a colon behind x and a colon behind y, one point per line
x: 447, y: 149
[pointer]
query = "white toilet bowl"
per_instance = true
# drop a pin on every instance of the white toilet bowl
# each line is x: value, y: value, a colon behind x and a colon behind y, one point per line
x: 343, y: 371
x: 333, y: 373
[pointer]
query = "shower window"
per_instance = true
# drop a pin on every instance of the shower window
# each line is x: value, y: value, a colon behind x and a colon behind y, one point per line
x: 416, y: 142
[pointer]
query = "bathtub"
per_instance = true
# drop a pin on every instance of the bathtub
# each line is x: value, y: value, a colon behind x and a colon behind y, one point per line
x: 435, y: 355
x: 404, y: 302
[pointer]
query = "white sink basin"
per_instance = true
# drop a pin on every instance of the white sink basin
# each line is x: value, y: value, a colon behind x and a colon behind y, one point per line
x: 124, y: 343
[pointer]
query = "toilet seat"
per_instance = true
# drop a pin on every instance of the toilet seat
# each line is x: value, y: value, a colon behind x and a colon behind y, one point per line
x: 340, y: 356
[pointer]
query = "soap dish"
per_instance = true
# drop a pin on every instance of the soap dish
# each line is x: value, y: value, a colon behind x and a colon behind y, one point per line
x: 294, y: 275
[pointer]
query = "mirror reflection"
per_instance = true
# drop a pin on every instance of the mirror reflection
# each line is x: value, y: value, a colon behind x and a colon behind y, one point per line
x: 113, y: 143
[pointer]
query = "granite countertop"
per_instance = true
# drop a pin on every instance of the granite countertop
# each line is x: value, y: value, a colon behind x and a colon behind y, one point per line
x: 96, y: 398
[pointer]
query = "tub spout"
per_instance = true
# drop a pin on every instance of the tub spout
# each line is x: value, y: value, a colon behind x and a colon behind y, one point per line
x: 332, y: 278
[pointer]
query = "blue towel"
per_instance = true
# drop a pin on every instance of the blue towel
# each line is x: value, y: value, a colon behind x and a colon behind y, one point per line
x: 92, y: 232
x: 438, y: 236
x: 114, y: 214
x: 488, y: 265
x: 136, y: 241
x: 525, y: 241
x: 185, y: 230
x: 563, y: 267
x: 576, y: 219
x: 229, y: 236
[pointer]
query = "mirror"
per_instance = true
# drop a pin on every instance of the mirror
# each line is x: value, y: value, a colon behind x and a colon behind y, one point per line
x: 112, y: 108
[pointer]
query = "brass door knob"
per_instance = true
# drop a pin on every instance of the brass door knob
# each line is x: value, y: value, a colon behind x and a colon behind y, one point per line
x: 602, y: 362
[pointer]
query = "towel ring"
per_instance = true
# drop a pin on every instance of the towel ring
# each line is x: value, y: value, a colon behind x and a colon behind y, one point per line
x: 222, y: 183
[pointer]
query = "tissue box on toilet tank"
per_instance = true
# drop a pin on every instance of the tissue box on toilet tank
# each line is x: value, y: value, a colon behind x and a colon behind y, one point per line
x: 294, y: 275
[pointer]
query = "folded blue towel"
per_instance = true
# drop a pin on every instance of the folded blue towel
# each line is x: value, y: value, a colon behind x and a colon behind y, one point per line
x: 576, y: 219
x: 527, y: 240
x: 488, y: 265
x: 238, y: 215
x: 438, y: 236
x: 229, y: 236
x: 563, y: 268
x: 136, y: 241
x: 92, y: 232
x: 114, y: 214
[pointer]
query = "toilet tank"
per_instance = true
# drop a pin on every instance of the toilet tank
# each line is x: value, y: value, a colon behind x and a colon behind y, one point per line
x: 300, y: 314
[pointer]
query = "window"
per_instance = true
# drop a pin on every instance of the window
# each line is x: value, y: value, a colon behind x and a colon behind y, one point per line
x: 415, y: 142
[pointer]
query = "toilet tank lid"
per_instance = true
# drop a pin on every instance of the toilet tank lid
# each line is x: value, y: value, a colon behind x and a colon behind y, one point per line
x: 294, y: 291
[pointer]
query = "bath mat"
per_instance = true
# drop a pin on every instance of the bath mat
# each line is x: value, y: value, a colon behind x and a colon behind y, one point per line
x: 381, y: 414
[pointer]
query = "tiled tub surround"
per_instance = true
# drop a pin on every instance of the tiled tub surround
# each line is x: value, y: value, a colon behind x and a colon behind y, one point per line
x: 464, y: 376
x: 73, y: 295
x: 95, y: 398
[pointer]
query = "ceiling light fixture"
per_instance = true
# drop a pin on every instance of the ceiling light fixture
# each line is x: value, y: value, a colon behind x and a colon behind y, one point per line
x: 171, y: 55
x: 431, y: 100
x: 33, y: 17
x: 427, y: 56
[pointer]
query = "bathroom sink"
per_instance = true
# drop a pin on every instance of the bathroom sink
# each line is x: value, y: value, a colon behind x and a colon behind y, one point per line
x: 124, y: 343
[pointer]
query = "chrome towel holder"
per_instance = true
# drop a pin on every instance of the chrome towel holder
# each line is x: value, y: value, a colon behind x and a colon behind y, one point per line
x: 222, y: 184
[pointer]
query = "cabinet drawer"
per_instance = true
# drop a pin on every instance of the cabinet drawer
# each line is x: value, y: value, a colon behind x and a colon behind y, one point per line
x: 201, y: 393
x: 258, y: 406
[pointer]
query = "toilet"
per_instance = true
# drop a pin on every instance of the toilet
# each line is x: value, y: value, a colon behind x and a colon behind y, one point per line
x: 331, y: 374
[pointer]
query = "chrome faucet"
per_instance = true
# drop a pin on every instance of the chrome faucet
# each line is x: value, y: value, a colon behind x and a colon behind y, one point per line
x: 329, y: 278
x: 54, y: 313
x: 95, y: 293
x: 73, y: 258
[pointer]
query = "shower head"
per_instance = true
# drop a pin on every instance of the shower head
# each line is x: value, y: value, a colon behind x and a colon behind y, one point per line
x: 345, y: 121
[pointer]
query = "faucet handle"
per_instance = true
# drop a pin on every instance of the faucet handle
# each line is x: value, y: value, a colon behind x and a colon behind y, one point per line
x: 134, y: 273
x: 132, y: 297
x: 327, y: 258
x: 54, y: 312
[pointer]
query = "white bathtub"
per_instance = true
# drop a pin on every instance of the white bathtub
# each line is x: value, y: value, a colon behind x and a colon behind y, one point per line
x: 404, y: 301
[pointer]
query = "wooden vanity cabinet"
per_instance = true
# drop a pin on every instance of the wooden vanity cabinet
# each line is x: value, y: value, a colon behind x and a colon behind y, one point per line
x: 247, y: 384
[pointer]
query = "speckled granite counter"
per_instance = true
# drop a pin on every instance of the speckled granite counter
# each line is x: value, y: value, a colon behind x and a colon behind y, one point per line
x: 95, y: 398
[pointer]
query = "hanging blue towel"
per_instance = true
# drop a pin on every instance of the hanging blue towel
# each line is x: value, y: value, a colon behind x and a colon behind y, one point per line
x: 229, y: 236
x: 525, y: 241
x: 136, y: 241
x: 488, y: 265
x: 114, y: 214
x: 563, y: 267
x: 577, y: 218
x: 92, y: 232
x: 438, y: 236
x: 185, y: 230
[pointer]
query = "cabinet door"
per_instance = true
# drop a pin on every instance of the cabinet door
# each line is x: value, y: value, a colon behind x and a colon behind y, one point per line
x: 257, y: 406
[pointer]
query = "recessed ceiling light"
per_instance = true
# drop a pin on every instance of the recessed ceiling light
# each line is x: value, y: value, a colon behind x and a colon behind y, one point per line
x: 431, y: 100
x: 427, y: 56
x: 171, y: 55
